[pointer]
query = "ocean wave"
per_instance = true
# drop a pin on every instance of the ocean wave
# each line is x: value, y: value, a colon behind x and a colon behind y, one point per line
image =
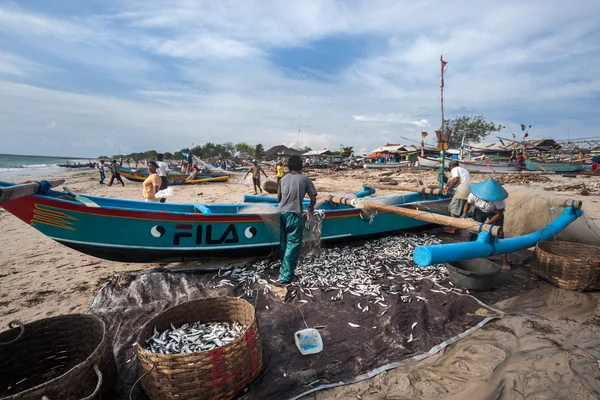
x: 28, y: 166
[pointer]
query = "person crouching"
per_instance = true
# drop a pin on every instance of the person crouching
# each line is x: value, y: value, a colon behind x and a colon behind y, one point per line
x: 487, y: 199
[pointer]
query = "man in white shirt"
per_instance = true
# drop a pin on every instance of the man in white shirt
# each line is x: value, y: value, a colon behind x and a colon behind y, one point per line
x: 461, y: 180
x: 163, y: 171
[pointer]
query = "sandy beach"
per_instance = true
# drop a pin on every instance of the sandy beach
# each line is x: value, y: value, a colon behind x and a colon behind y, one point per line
x: 552, y: 332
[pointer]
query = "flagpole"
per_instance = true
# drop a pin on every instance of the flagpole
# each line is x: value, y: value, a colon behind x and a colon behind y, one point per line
x: 443, y: 151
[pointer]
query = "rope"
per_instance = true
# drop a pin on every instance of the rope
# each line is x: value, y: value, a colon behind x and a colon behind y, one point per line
x: 13, y: 324
x: 44, y: 187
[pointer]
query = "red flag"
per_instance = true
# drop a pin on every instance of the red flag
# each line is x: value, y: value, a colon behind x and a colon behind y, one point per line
x: 526, y: 134
x: 439, y: 135
x: 444, y: 68
x: 422, y: 143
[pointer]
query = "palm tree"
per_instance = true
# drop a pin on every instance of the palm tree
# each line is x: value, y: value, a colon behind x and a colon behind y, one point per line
x: 258, y: 151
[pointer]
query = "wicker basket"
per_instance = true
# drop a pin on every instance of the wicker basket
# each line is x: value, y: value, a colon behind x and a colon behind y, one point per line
x: 568, y: 265
x: 215, y: 374
x: 61, y: 358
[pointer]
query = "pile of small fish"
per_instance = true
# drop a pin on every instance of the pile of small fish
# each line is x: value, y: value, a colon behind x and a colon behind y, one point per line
x: 354, y: 270
x: 195, y: 337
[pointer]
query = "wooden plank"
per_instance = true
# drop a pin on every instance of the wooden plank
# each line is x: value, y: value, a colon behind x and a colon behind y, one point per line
x: 82, y: 199
x: 25, y: 189
x: 417, y: 214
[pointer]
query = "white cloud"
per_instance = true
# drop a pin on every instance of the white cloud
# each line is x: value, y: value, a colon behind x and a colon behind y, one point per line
x: 178, y: 72
x: 51, y: 125
x: 395, y: 118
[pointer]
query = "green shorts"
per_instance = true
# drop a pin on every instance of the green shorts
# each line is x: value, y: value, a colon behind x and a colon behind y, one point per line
x: 457, y: 206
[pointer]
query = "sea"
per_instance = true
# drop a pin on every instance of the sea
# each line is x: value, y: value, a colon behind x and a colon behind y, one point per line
x: 18, y: 167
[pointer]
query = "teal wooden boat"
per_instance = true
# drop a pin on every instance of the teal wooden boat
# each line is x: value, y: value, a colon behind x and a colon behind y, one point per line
x: 553, y: 166
x: 126, y: 230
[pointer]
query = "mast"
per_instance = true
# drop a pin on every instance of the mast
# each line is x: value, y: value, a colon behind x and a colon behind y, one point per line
x: 441, y: 143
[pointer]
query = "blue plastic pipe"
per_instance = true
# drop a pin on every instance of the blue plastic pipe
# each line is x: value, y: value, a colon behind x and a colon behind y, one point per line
x: 367, y: 191
x: 487, y: 245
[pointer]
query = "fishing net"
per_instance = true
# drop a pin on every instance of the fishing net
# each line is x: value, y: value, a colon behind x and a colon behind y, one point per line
x: 360, y: 331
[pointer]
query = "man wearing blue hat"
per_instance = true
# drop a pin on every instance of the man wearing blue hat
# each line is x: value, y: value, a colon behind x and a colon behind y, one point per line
x: 461, y: 180
x: 487, y: 199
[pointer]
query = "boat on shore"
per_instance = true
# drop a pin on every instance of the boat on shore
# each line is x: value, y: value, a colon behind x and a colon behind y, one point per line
x: 175, y: 178
x: 401, y: 164
x: 553, y: 166
x: 489, y: 167
x: 429, y: 162
x: 137, y: 231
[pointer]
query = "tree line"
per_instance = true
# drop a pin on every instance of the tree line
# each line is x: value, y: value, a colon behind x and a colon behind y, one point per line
x: 203, y: 151
x: 472, y: 128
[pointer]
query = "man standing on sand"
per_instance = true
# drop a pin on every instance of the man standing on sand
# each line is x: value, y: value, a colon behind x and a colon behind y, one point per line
x: 101, y: 167
x: 255, y: 169
x: 115, y: 168
x: 163, y: 171
x: 290, y: 194
x: 461, y: 180
x: 280, y: 171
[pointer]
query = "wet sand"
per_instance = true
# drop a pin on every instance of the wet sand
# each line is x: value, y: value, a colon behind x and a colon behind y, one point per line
x: 514, y: 356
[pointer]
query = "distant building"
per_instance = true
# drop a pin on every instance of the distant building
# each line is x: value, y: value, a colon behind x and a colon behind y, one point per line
x: 280, y: 151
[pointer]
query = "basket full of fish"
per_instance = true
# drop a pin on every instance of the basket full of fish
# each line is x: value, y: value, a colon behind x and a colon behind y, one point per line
x: 201, y: 349
x: 68, y: 357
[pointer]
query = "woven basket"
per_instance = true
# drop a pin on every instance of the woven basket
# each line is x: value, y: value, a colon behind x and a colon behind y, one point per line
x: 568, y: 265
x: 60, y: 358
x: 215, y: 374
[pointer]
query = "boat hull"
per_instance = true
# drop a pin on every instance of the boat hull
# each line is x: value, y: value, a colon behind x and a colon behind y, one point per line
x: 132, y: 231
x: 488, y: 167
x: 573, y: 166
x: 401, y: 164
x: 432, y: 162
x: 174, y: 178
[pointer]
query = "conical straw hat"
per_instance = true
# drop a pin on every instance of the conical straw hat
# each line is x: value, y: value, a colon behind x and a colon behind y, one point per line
x: 489, y: 190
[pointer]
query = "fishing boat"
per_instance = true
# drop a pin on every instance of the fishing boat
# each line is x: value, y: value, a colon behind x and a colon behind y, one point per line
x: 136, y: 231
x: 490, y: 167
x: 429, y: 162
x: 400, y: 164
x: 553, y: 166
x: 175, y: 177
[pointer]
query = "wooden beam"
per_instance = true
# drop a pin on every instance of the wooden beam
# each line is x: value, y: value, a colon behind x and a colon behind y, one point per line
x: 8, y: 193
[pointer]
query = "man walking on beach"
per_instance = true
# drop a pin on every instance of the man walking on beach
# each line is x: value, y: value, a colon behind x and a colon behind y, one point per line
x: 290, y: 194
x: 256, y: 169
x: 163, y: 171
x: 461, y: 180
x: 101, y: 167
x: 115, y: 168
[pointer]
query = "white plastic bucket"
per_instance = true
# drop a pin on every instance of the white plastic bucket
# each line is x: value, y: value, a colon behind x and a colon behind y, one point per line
x: 308, y: 341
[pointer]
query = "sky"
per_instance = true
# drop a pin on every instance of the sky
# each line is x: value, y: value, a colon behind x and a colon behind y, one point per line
x: 101, y: 77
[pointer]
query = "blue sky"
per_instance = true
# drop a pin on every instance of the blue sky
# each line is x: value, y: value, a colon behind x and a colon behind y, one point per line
x: 95, y: 77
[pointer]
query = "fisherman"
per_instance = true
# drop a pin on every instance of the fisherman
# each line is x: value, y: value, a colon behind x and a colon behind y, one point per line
x: 163, y: 171
x: 280, y: 171
x: 194, y: 174
x: 101, y: 167
x: 115, y: 169
x: 290, y: 195
x: 151, y: 185
x: 487, y: 198
x: 521, y: 160
x: 461, y: 180
x: 256, y: 169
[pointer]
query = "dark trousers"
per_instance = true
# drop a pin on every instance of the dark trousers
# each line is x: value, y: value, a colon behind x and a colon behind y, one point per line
x: 116, y: 176
x: 102, y: 176
x: 164, y: 183
x: 482, y: 216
